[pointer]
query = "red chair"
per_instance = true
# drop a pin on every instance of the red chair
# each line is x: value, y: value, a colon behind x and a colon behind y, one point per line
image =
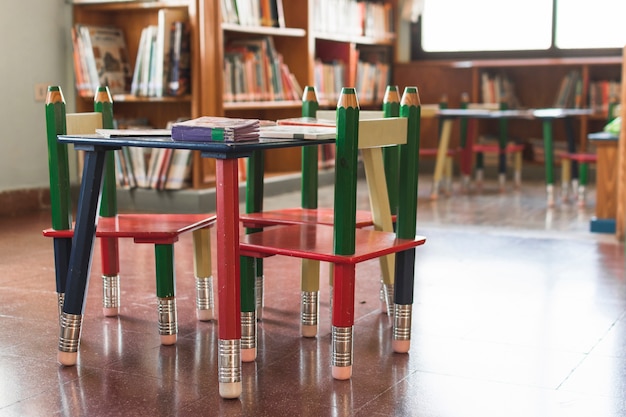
x: 310, y: 213
x: 343, y: 244
x: 575, y: 165
x: 161, y: 230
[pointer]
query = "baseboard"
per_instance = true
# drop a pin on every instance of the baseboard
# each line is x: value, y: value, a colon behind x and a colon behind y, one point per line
x: 14, y: 202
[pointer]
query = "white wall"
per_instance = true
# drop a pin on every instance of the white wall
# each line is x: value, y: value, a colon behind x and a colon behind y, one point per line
x: 35, y: 46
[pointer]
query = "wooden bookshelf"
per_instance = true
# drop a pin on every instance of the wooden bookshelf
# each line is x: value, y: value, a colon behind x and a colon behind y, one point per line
x: 536, y: 83
x: 297, y: 41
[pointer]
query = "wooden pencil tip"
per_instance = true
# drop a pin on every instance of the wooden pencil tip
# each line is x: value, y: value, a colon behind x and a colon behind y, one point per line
x: 410, y: 97
x: 391, y: 94
x: 103, y: 95
x: 309, y: 94
x: 54, y: 95
x: 348, y: 98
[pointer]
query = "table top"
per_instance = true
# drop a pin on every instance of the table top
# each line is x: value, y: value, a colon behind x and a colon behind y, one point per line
x: 219, y: 150
x: 603, y: 136
x: 548, y: 113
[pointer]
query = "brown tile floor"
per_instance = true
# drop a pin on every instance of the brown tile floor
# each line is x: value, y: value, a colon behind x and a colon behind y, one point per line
x: 519, y: 311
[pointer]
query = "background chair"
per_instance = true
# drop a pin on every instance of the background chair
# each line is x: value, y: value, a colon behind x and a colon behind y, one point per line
x: 575, y: 165
x: 443, y: 154
x: 161, y: 230
x: 344, y: 245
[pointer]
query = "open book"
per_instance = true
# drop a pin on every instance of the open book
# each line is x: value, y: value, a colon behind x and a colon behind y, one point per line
x: 216, y: 129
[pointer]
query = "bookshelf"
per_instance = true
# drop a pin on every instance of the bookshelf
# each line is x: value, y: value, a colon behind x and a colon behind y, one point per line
x: 536, y: 83
x: 295, y: 36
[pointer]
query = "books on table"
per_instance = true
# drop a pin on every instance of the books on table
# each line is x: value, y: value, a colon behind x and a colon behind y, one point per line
x: 297, y: 132
x: 216, y: 129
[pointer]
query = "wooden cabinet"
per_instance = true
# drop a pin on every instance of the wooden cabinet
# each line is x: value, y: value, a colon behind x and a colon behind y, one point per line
x: 536, y: 85
x: 297, y: 42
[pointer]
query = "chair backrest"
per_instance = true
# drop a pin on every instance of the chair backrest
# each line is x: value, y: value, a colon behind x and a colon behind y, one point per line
x: 370, y: 136
x: 58, y: 122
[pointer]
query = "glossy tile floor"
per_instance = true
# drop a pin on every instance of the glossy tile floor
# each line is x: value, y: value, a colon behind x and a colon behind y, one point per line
x: 519, y: 311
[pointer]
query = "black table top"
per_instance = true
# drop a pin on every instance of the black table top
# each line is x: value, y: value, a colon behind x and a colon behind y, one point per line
x: 219, y: 150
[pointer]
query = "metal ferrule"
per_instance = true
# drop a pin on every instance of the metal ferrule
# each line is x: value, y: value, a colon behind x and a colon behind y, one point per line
x: 110, y: 291
x: 204, y: 293
x: 402, y: 322
x: 550, y: 193
x: 168, y: 321
x: 502, y: 179
x: 229, y: 358
x: 60, y: 301
x: 309, y: 307
x: 259, y: 296
x: 69, y: 335
x: 342, y: 346
x: 248, y: 330
x: 388, y: 292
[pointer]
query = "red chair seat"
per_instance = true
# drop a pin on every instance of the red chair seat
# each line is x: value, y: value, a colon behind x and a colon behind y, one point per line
x: 510, y: 148
x: 316, y: 242
x: 434, y: 151
x: 144, y: 228
x: 581, y: 157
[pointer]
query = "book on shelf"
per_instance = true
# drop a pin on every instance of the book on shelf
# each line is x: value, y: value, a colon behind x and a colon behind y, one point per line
x: 602, y: 93
x: 297, y: 132
x: 255, y: 71
x: 179, y: 68
x: 166, y: 35
x: 102, y: 58
x: 179, y: 170
x: 216, y: 129
x: 498, y: 89
x: 569, y: 95
x: 353, y: 18
x: 162, y: 66
x: 253, y: 12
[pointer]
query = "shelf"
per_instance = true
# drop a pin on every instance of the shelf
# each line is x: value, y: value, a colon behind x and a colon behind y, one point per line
x: 534, y: 62
x: 109, y: 5
x: 129, y: 98
x: 264, y: 30
x: 250, y: 105
x: 360, y: 40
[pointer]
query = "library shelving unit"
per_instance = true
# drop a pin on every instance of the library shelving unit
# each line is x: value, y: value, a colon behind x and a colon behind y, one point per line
x: 536, y: 84
x: 296, y: 41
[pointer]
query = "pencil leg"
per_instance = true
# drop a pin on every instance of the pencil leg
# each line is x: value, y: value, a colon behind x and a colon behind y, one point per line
x: 166, y: 284
x: 343, y: 321
x: 109, y: 250
x: 405, y: 271
x: 309, y: 297
x: 80, y: 258
x: 205, y: 303
x: 228, y: 273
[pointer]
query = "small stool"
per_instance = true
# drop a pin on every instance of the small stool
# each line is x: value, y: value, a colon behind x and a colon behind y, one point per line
x: 511, y: 148
x: 443, y: 180
x: 578, y: 186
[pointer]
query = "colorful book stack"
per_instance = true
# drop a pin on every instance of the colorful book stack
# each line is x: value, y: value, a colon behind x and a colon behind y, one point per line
x: 216, y: 129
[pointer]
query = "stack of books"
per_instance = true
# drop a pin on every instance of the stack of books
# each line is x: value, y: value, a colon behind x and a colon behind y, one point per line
x: 216, y: 129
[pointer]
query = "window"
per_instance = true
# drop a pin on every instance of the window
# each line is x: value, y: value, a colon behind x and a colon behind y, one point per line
x: 540, y: 27
x: 599, y: 24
